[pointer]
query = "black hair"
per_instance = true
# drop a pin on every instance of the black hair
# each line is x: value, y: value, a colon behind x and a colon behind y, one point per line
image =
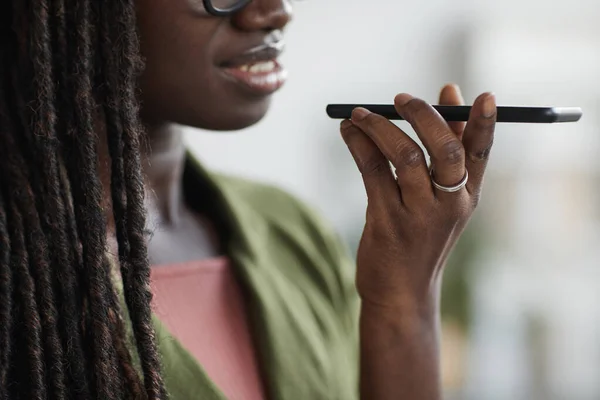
x: 68, y: 69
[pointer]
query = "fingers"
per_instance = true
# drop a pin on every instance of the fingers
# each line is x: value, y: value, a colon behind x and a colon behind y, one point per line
x: 405, y: 155
x: 451, y: 96
x: 373, y: 165
x: 445, y: 148
x: 375, y: 141
x: 478, y: 139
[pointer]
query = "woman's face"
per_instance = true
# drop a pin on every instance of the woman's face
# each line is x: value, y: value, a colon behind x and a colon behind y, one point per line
x: 210, y: 72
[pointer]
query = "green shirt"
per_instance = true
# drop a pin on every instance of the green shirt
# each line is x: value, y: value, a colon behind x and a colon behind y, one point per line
x: 299, y: 282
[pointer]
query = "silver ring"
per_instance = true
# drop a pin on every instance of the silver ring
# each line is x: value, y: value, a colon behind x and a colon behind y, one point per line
x: 450, y: 189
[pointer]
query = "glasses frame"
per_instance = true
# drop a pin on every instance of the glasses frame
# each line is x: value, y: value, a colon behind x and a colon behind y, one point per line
x: 217, y: 12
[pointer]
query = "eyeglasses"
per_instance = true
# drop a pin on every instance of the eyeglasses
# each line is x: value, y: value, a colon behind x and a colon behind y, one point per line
x: 221, y: 8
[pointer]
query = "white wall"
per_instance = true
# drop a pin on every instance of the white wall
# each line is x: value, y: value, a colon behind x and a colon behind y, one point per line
x: 537, y: 296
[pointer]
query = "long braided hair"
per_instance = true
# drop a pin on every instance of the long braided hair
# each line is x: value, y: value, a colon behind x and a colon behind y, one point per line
x: 66, y: 68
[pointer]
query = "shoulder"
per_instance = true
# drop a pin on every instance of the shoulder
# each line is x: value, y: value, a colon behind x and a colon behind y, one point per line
x: 299, y: 234
x: 286, y: 214
x: 267, y: 199
x: 312, y: 265
x: 302, y: 278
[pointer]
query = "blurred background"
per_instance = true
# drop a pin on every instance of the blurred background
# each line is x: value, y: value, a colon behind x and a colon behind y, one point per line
x: 522, y: 291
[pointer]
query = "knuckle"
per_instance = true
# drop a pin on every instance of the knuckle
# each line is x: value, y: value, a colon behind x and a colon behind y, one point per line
x: 482, y: 154
x: 374, y: 167
x: 452, y: 152
x: 408, y: 156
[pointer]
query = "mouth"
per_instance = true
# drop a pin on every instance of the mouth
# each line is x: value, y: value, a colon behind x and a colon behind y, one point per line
x: 258, y: 69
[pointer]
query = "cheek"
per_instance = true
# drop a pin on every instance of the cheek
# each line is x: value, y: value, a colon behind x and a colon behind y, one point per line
x: 176, y: 81
x: 196, y: 6
x: 176, y: 61
x: 181, y: 82
x: 173, y: 40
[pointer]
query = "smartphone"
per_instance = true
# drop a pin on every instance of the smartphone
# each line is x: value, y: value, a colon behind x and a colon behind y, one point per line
x: 536, y: 115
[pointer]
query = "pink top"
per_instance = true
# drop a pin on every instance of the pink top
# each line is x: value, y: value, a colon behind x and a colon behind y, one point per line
x: 202, y: 306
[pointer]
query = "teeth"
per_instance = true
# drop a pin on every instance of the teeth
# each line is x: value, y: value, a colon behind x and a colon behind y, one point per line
x: 266, y: 66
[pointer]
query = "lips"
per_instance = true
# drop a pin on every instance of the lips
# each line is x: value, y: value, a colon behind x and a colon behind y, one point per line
x: 263, y: 52
x: 257, y: 69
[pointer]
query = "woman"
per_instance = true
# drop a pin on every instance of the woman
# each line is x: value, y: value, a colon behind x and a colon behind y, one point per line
x: 80, y: 177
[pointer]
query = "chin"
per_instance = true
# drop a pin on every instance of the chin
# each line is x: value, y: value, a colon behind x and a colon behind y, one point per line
x: 223, y: 113
x: 234, y: 117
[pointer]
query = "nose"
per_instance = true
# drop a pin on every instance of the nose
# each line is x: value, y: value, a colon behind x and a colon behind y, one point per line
x: 264, y: 15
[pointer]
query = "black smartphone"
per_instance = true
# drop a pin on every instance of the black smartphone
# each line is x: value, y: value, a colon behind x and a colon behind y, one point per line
x: 536, y: 115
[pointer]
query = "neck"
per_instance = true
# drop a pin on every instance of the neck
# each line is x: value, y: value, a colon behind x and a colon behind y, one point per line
x: 163, y: 169
x: 163, y: 166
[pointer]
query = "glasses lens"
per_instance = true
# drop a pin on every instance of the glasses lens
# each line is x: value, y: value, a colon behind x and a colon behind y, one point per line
x: 226, y: 5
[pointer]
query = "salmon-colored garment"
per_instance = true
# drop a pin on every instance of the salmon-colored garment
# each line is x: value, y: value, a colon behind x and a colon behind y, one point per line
x: 202, y: 306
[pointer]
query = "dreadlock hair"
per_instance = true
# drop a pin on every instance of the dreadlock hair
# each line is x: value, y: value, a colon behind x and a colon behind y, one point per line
x: 68, y: 68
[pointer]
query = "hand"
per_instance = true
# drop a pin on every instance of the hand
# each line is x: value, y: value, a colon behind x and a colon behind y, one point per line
x: 410, y: 225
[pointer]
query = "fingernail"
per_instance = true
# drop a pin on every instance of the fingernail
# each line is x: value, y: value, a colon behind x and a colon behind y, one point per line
x: 489, y: 106
x: 345, y: 124
x: 359, y: 113
x: 402, y: 99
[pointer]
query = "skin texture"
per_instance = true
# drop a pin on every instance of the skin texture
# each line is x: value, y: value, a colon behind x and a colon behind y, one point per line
x: 410, y: 227
x: 183, y: 85
x: 184, y: 48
